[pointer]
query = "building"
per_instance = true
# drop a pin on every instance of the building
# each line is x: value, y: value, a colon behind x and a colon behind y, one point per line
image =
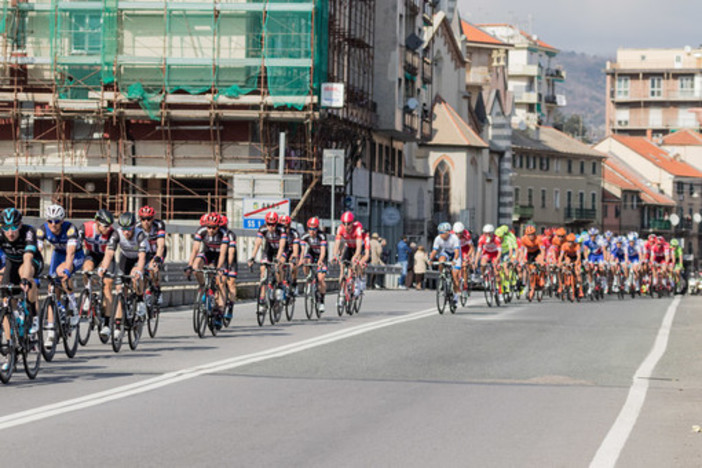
x: 666, y: 174
x: 533, y: 77
x: 687, y: 144
x: 557, y: 180
x: 189, y: 107
x: 653, y: 92
x: 628, y: 199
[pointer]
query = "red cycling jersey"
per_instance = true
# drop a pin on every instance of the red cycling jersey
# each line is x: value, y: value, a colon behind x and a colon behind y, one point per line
x: 466, y: 242
x: 660, y: 251
x: 349, y: 235
x: 490, y: 246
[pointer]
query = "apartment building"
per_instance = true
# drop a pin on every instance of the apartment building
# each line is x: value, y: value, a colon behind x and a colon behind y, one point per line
x: 687, y: 144
x: 532, y: 74
x: 557, y: 180
x: 653, y: 92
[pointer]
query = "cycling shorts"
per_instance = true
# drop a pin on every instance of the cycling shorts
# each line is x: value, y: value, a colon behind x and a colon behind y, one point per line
x: 59, y: 257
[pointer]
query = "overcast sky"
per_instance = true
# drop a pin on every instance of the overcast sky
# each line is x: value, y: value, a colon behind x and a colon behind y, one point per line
x: 596, y: 26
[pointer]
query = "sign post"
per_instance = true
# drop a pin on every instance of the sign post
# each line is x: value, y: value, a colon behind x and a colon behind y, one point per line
x: 333, y: 174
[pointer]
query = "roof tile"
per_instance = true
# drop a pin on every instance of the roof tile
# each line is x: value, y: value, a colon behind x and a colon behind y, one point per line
x: 658, y: 156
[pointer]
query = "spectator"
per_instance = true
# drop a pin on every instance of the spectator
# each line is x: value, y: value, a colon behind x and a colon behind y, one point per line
x: 376, y: 253
x: 384, y: 257
x: 409, y: 281
x: 403, y: 253
x: 420, y: 266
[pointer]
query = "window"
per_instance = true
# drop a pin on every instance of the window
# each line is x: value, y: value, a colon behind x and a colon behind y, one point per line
x: 625, y: 200
x: 655, y: 118
x: 622, y: 87
x: 617, y: 212
x: 569, y: 199
x: 680, y: 188
x: 442, y: 189
x: 544, y: 163
x: 594, y: 168
x: 556, y: 198
x: 635, y: 201
x: 622, y: 117
x: 692, y: 190
x: 530, y: 196
x: 570, y: 166
x: 593, y: 200
x: 516, y: 195
x: 543, y: 198
x: 605, y: 211
x: 686, y: 118
x: 86, y: 31
x: 686, y: 86
x: 582, y: 167
x: 656, y: 86
x: 557, y: 165
x: 581, y: 199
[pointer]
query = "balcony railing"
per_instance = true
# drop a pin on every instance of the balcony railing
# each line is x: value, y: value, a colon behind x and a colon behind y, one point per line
x: 556, y: 74
x: 526, y: 97
x: 427, y: 70
x: 659, y: 225
x: 523, y: 211
x: 411, y: 62
x: 410, y: 123
x: 584, y: 214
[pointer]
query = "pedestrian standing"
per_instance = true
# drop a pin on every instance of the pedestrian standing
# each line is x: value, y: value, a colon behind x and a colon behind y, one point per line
x: 420, y: 266
x: 384, y: 258
x: 375, y: 260
x: 403, y: 253
x: 409, y: 281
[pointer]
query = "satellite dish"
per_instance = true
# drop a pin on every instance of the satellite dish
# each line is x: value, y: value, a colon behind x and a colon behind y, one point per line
x: 697, y: 217
x: 674, y: 219
x: 522, y: 125
x: 412, y: 104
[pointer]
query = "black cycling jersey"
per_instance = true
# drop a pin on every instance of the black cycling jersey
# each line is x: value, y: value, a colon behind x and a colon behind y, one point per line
x: 211, y: 242
x: 25, y: 242
x: 272, y: 236
x: 313, y: 245
x: 157, y: 231
x: 293, y: 238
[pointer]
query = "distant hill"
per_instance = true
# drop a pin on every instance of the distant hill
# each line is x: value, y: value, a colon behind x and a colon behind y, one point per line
x: 584, y: 88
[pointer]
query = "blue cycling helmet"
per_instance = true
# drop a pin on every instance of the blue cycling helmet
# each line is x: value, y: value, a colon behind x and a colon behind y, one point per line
x: 11, y: 217
x: 444, y: 228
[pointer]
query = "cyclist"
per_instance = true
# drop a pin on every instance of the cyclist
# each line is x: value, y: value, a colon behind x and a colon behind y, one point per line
x: 2, y: 264
x: 365, y: 257
x: 314, y: 251
x: 465, y: 239
x: 133, y: 244
x: 676, y: 257
x: 230, y: 265
x: 155, y: 230
x: 489, y: 248
x: 508, y: 252
x: 210, y: 249
x: 292, y: 248
x: 532, y: 253
x: 96, y: 236
x: 66, y: 258
x: 275, y: 239
x: 571, y: 254
x: 660, y: 257
x: 353, y: 243
x: 447, y: 248
x: 23, y: 261
x: 617, y: 258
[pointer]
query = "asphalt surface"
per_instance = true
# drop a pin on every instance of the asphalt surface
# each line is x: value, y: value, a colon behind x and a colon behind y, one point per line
x: 397, y: 385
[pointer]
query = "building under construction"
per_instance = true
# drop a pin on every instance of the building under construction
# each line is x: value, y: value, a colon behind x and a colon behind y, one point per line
x: 188, y: 106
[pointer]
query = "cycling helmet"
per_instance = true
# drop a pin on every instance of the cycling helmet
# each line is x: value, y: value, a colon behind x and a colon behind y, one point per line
x: 55, y: 212
x: 488, y: 229
x: 608, y: 234
x: 104, y: 217
x: 313, y: 223
x: 619, y: 240
x: 530, y: 229
x: 203, y: 219
x: 458, y: 227
x: 11, y: 217
x: 593, y: 231
x: 127, y: 220
x: 444, y: 228
x: 223, y: 221
x: 285, y: 220
x: 561, y: 232
x: 212, y: 219
x: 570, y: 237
x: 674, y: 242
x: 347, y: 217
x: 548, y: 232
x: 651, y: 237
x: 660, y: 239
x: 501, y: 231
x: 146, y: 212
x: 272, y: 217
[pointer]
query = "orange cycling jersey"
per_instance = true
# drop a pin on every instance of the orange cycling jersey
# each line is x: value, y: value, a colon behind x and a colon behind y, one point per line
x: 532, y: 245
x: 571, y: 249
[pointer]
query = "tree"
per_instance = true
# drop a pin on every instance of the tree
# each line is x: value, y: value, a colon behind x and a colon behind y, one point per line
x: 573, y: 125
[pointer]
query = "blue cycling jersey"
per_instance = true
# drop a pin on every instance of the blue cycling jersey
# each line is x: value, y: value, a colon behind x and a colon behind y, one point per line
x: 618, y: 253
x: 68, y: 235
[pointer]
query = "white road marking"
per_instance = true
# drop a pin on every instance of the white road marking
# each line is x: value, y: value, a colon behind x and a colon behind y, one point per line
x: 613, y: 444
x: 94, y: 399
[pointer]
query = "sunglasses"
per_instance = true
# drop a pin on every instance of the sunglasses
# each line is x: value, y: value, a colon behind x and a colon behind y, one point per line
x: 312, y: 229
x: 10, y: 228
x: 147, y: 219
x: 128, y: 229
x: 212, y: 227
x: 54, y: 221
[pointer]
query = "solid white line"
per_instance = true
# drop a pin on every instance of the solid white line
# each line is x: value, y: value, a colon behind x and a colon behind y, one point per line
x: 94, y: 399
x: 613, y: 444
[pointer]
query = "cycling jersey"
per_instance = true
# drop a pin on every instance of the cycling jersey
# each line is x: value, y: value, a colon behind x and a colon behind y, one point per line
x: 156, y: 232
x: 312, y: 245
x: 68, y: 235
x: 349, y: 235
x: 446, y: 247
x: 509, y: 241
x: 293, y: 239
x: 211, y: 242
x: 632, y: 252
x: 489, y: 246
x: 93, y: 241
x: 129, y: 248
x: 660, y: 251
x: 25, y: 242
x: 466, y: 242
x: 570, y: 249
x: 618, y: 253
x: 532, y: 246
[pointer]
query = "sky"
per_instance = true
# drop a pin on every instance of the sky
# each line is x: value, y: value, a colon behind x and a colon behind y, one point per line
x: 596, y: 26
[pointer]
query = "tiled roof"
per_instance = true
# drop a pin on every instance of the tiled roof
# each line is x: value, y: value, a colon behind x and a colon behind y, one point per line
x: 528, y: 36
x: 683, y: 138
x: 475, y: 34
x: 618, y: 173
x: 658, y: 156
x: 553, y: 140
x: 451, y: 130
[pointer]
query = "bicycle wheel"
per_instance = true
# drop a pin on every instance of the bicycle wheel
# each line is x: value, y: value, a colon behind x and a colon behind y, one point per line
x: 495, y: 291
x: 7, y: 346
x: 340, y: 302
x: 487, y: 291
x: 289, y: 305
x: 349, y: 296
x: 440, y: 296
x: 199, y: 298
x: 31, y: 353
x: 275, y: 308
x: 357, y: 303
x: 261, y: 312
x: 136, y: 328
x: 453, y: 305
x: 153, y: 318
x: 310, y: 294
x: 117, y: 329
x: 48, y: 346
x: 228, y: 313
x: 86, y: 311
x: 70, y: 332
x: 465, y: 292
x: 203, y: 316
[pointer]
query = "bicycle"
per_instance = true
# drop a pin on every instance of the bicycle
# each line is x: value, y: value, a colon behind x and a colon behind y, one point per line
x: 205, y: 311
x: 311, y: 294
x: 152, y: 295
x: 90, y: 308
x: 347, y: 289
x: 490, y: 288
x: 66, y: 321
x: 272, y: 304
x: 534, y: 278
x: 132, y: 322
x: 464, y: 285
x: 288, y: 291
x: 15, y: 314
x: 444, y: 288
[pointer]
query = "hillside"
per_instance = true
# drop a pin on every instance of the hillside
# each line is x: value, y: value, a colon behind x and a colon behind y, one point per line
x: 584, y: 89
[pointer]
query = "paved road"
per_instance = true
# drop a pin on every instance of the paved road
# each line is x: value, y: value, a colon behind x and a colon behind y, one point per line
x: 398, y: 385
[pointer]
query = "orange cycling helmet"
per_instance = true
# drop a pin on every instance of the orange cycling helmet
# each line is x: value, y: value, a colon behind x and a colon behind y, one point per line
x: 570, y: 237
x: 212, y: 219
x: 561, y: 232
x: 203, y: 219
x: 223, y: 221
x: 530, y: 229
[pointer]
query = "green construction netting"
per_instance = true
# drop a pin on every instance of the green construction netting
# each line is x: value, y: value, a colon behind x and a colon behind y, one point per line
x: 147, y: 50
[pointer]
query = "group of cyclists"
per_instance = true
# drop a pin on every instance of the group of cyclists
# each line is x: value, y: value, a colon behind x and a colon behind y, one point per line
x: 588, y: 262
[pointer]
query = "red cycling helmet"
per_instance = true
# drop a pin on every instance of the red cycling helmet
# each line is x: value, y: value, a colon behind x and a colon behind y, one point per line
x: 661, y: 239
x: 146, y: 212
x: 203, y: 219
x: 313, y: 223
x: 347, y: 217
x: 223, y: 221
x: 651, y: 237
x: 272, y: 217
x: 212, y: 219
x: 285, y: 220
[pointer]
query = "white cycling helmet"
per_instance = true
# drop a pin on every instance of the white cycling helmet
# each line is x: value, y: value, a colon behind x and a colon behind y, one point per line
x: 488, y: 229
x: 55, y: 212
x: 458, y: 227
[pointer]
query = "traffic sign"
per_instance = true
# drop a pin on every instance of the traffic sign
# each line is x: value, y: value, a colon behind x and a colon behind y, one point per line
x: 256, y: 209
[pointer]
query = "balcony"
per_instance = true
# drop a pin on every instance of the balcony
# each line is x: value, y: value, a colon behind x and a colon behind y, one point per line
x: 411, y: 64
x: 410, y: 123
x: 523, y: 212
x: 414, y: 6
x: 659, y: 225
x: 523, y: 70
x: 427, y: 70
x: 556, y: 74
x: 526, y: 97
x: 426, y: 129
x: 580, y: 214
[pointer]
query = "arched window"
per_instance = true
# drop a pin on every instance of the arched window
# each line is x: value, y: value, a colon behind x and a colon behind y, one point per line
x: 442, y: 189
